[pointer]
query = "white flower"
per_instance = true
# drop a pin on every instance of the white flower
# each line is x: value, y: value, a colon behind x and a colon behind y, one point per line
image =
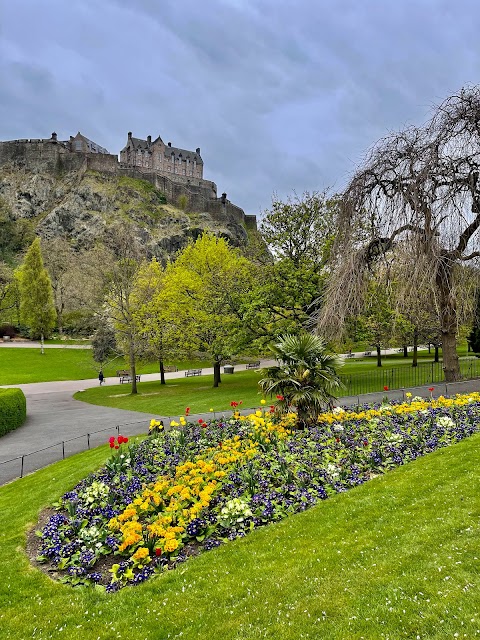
x: 337, y: 427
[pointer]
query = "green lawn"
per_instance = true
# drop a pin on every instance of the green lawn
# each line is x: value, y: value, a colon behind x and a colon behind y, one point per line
x: 394, y: 558
x: 24, y: 365
x: 172, y: 399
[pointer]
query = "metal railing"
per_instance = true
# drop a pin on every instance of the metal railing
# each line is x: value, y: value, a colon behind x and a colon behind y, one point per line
x: 407, y: 376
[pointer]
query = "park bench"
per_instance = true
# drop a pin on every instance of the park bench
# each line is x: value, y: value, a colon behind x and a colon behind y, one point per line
x: 252, y: 365
x: 367, y: 353
x: 193, y: 372
x: 350, y: 355
x: 128, y: 378
x: 170, y: 368
x: 125, y: 376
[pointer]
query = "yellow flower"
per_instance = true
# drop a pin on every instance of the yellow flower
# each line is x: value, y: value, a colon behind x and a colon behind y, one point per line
x: 140, y: 553
x: 263, y: 401
x: 408, y: 394
x: 211, y: 410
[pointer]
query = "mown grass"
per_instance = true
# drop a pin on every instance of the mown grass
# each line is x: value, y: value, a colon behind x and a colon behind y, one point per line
x: 172, y: 398
x: 25, y: 365
x: 394, y: 558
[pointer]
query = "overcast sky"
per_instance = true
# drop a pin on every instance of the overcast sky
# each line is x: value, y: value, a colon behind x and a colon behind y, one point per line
x: 280, y: 95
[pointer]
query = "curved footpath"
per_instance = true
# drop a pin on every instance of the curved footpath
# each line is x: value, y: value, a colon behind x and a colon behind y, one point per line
x: 57, y: 425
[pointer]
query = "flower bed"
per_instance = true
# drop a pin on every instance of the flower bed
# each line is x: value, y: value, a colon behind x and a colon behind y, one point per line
x: 174, y: 494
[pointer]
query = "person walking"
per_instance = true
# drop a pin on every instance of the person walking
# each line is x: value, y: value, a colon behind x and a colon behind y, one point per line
x: 101, y: 377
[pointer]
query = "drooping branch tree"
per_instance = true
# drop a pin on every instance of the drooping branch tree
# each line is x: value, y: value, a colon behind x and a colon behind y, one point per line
x: 419, y: 187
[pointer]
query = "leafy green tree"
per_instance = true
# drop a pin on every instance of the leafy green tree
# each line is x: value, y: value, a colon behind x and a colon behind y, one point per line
x: 298, y: 233
x: 158, y: 328
x: 37, y: 310
x: 306, y: 377
x: 204, y: 296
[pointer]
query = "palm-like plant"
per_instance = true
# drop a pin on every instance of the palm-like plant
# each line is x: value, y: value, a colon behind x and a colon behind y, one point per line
x: 305, y: 377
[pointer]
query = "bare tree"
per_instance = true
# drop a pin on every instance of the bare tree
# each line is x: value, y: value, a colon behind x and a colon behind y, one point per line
x: 421, y: 187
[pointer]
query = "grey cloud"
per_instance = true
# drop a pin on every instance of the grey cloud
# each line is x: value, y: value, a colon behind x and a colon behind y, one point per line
x: 278, y: 95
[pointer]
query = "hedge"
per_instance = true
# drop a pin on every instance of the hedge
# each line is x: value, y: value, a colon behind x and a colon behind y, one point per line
x: 13, y: 409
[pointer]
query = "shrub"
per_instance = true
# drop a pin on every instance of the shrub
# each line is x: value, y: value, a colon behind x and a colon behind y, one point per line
x: 13, y: 409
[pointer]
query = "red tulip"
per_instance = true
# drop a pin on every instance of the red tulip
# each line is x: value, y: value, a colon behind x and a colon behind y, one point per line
x: 280, y: 398
x: 112, y: 439
x: 431, y: 389
x: 117, y: 447
x: 112, y: 445
x: 385, y: 388
x: 158, y: 552
x: 125, y: 440
x: 187, y: 411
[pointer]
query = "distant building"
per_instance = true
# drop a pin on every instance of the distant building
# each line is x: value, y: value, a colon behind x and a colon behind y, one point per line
x: 162, y: 158
x: 81, y: 144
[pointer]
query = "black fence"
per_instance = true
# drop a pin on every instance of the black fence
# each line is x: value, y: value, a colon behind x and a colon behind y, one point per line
x: 407, y: 376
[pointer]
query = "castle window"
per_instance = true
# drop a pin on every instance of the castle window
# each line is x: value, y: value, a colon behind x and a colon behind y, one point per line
x: 78, y: 145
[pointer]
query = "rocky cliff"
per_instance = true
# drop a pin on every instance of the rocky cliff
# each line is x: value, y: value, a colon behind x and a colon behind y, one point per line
x: 83, y: 206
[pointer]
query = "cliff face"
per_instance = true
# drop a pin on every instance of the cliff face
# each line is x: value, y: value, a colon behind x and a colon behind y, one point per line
x: 83, y: 205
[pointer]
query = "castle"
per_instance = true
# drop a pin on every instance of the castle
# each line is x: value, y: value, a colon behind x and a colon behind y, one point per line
x: 174, y: 171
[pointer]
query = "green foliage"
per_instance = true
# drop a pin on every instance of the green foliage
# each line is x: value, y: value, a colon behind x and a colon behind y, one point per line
x: 299, y: 234
x: 15, y: 234
x: 13, y: 409
x: 306, y: 377
x: 183, y: 201
x: 37, y: 310
x: 104, y: 344
x: 204, y: 295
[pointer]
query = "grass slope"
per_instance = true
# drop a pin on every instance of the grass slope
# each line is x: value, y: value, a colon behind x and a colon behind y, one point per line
x: 394, y: 558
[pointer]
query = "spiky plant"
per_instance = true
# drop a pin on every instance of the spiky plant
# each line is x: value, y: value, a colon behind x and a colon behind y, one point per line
x: 305, y: 377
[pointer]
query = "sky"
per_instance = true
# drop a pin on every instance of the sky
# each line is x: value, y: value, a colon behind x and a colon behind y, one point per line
x: 281, y: 96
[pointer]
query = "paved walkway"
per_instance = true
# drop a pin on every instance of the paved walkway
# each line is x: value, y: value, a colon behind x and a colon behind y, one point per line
x: 58, y: 426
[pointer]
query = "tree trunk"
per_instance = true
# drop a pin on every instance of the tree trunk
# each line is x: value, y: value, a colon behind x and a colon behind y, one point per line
x: 436, y: 358
x: 42, y: 347
x: 133, y: 368
x: 415, y: 348
x: 405, y: 351
x: 216, y: 373
x: 448, y: 318
x: 162, y: 372
x: 379, y: 356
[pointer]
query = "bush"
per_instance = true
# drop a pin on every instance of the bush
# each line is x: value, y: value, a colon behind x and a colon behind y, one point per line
x: 13, y: 409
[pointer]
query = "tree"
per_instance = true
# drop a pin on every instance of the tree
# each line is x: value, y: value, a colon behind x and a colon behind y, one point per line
x: 154, y: 323
x: 298, y: 233
x: 420, y: 187
x: 37, y: 310
x: 121, y: 276
x: 300, y: 229
x: 8, y: 289
x: 204, y: 295
x: 104, y: 345
x: 15, y: 234
x: 306, y: 377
